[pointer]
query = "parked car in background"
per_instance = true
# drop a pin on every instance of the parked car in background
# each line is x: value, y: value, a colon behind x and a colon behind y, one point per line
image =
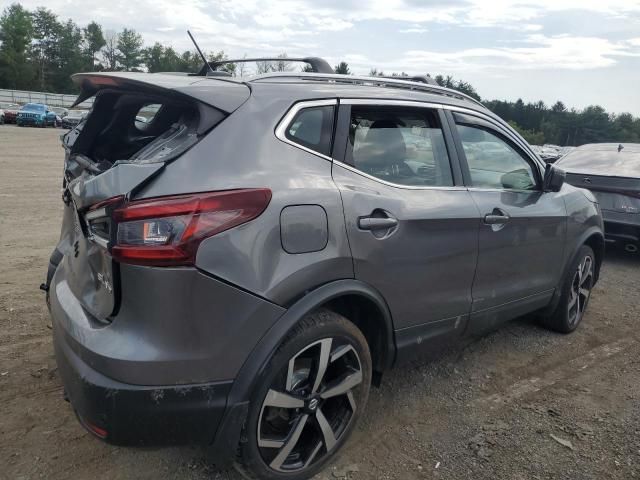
x: 550, y: 153
x: 60, y: 111
x: 73, y: 118
x: 36, y: 115
x: 612, y: 172
x: 237, y: 271
x: 1, y: 117
x: 10, y: 111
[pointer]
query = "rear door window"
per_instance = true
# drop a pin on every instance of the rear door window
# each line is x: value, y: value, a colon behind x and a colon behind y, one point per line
x: 404, y: 146
x: 312, y: 128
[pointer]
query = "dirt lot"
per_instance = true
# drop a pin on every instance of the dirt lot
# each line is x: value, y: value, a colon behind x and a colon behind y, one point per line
x: 502, y: 407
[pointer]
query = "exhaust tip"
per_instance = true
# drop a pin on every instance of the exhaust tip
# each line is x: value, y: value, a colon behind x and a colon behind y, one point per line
x: 631, y: 248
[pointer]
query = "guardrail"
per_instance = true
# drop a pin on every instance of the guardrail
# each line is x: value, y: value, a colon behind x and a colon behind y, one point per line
x: 51, y: 99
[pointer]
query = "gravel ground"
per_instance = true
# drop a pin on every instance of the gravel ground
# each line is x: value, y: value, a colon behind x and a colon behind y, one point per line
x: 520, y: 403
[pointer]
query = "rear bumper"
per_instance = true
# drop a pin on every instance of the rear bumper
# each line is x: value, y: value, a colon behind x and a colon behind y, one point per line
x: 124, y: 414
x: 161, y: 371
x: 621, y: 228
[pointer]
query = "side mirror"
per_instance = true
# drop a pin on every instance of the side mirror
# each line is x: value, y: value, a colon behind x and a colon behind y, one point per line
x: 554, y: 178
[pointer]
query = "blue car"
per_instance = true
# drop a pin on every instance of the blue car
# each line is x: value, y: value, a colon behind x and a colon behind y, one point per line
x: 36, y: 114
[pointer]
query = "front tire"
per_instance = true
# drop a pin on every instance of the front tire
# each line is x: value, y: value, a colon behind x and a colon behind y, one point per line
x: 576, y: 291
x: 307, y: 400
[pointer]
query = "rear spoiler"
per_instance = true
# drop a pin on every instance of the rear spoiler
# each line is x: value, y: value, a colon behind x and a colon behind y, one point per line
x: 222, y: 93
x: 317, y: 64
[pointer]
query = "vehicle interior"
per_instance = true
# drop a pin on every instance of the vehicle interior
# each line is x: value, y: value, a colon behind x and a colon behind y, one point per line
x: 403, y: 146
x: 112, y: 132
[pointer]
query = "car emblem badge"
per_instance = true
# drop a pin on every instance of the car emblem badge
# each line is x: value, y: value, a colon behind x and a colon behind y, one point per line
x: 313, y: 404
x: 586, y: 180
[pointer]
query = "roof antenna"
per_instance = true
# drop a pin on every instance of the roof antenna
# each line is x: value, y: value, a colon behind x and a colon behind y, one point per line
x: 620, y: 147
x: 204, y: 59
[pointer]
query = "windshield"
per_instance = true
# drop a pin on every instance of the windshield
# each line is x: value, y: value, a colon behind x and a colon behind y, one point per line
x: 625, y: 163
x: 34, y: 106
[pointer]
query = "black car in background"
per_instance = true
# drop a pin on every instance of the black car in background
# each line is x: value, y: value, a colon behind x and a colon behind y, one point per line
x: 612, y: 172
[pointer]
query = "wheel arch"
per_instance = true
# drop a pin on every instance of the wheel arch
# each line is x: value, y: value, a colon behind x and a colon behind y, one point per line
x: 347, y: 297
x: 594, y: 238
x: 351, y: 298
x: 596, y: 241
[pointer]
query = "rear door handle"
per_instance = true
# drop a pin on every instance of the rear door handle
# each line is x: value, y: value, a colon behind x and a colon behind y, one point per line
x: 376, y: 223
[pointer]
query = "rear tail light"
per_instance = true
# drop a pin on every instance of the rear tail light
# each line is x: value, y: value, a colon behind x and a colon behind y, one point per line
x: 167, y: 231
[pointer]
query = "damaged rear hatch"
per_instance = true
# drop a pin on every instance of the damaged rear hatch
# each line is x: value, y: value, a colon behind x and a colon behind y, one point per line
x: 138, y: 124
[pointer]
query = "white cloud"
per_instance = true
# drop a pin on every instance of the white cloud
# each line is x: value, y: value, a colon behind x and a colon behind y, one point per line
x: 542, y: 52
x: 413, y: 30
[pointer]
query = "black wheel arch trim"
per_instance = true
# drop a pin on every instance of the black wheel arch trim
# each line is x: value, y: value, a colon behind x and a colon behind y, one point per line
x: 243, y: 384
x: 582, y: 240
x: 228, y: 434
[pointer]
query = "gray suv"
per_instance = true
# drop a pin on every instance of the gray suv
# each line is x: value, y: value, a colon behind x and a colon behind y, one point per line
x: 237, y: 270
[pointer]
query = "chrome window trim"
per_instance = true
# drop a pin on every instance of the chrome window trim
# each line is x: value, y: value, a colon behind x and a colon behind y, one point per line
x: 397, y: 185
x: 443, y: 106
x: 282, y: 125
x: 512, y: 190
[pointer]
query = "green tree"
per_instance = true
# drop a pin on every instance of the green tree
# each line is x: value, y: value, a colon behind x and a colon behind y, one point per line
x: 227, y: 67
x: 190, y: 62
x: 534, y: 138
x: 459, y: 85
x: 342, y: 68
x: 16, y: 30
x: 46, y: 35
x: 154, y: 58
x: 94, y: 42
x: 130, y: 49
x: 71, y: 58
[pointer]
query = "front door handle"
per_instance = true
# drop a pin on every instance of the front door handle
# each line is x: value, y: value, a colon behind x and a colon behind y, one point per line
x: 376, y: 223
x: 497, y: 217
x: 490, y: 219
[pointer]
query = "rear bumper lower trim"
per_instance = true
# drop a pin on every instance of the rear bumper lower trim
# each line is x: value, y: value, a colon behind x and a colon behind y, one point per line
x: 141, y: 415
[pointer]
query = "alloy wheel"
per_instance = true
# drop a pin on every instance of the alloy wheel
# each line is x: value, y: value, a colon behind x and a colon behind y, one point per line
x: 310, y: 405
x: 580, y: 290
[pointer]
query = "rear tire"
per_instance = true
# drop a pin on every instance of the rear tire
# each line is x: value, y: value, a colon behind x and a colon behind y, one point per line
x: 575, y: 295
x: 307, y: 400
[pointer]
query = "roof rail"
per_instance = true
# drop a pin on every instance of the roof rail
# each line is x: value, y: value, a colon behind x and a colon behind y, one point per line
x: 412, y: 78
x: 392, y: 82
x: 318, y: 65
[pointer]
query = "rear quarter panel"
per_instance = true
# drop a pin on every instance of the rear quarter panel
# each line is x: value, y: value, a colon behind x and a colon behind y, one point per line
x: 243, y: 152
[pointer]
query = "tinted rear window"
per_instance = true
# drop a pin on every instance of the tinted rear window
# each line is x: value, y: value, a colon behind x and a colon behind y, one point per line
x: 602, y: 162
x: 312, y: 128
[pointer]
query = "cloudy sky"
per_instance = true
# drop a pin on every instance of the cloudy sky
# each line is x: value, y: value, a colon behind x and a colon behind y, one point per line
x: 579, y: 51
